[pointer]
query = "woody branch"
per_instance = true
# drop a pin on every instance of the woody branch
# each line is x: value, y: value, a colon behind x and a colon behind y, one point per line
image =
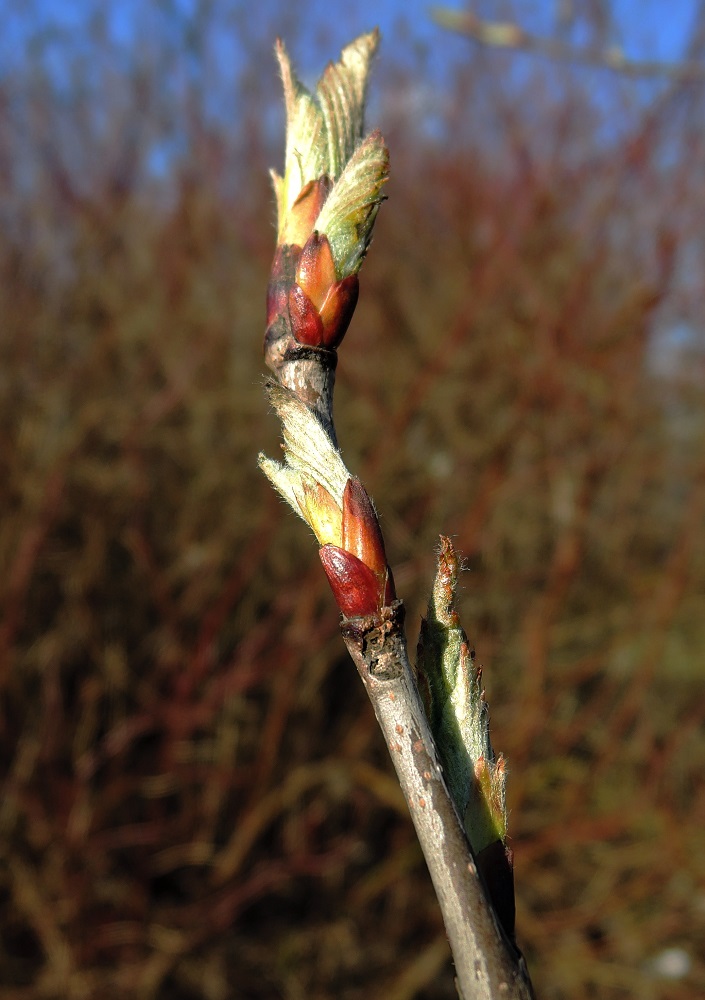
x: 327, y: 201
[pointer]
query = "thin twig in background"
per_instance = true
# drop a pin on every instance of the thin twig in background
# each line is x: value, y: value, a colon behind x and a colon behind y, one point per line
x: 509, y: 35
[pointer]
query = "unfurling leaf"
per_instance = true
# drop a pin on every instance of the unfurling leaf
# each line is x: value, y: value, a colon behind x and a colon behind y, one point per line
x: 459, y: 719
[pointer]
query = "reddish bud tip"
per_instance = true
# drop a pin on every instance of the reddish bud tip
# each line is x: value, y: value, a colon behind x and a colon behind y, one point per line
x: 361, y: 531
x: 354, y: 585
x: 316, y: 271
x: 390, y: 593
x: 338, y: 309
x: 306, y: 324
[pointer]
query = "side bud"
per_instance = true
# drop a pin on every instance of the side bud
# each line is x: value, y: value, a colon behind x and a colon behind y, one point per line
x: 354, y: 585
x: 362, y: 536
x: 306, y: 324
x: 361, y: 531
x: 357, y: 569
x: 333, y: 300
x: 319, y: 306
x: 459, y: 719
x: 338, y: 309
x: 305, y: 295
x: 315, y: 274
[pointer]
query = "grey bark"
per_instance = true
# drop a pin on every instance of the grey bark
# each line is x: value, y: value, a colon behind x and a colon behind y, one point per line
x: 488, y: 966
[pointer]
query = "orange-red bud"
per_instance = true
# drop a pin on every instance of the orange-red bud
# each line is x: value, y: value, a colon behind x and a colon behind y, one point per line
x: 355, y: 587
x: 390, y: 593
x: 338, y: 309
x: 334, y: 300
x: 316, y: 270
x: 306, y: 324
x: 361, y: 531
x: 303, y: 289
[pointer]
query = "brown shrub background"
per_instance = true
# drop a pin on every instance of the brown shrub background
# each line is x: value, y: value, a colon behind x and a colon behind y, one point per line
x: 196, y: 801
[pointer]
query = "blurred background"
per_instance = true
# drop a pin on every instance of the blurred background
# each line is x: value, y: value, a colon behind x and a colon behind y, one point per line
x: 196, y: 802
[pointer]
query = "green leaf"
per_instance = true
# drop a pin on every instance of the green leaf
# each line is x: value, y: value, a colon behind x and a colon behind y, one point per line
x: 457, y: 711
x: 341, y: 93
x: 349, y: 212
x: 324, y: 138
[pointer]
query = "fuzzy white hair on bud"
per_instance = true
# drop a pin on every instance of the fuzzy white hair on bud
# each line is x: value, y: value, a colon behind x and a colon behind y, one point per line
x: 310, y: 456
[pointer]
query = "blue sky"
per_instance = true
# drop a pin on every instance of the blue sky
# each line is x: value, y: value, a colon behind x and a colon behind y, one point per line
x: 240, y: 35
x: 236, y: 53
x: 645, y: 28
x: 236, y: 59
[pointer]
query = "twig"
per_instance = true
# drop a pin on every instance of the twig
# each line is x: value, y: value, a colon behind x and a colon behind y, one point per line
x: 327, y: 201
x: 486, y: 964
x: 508, y: 35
